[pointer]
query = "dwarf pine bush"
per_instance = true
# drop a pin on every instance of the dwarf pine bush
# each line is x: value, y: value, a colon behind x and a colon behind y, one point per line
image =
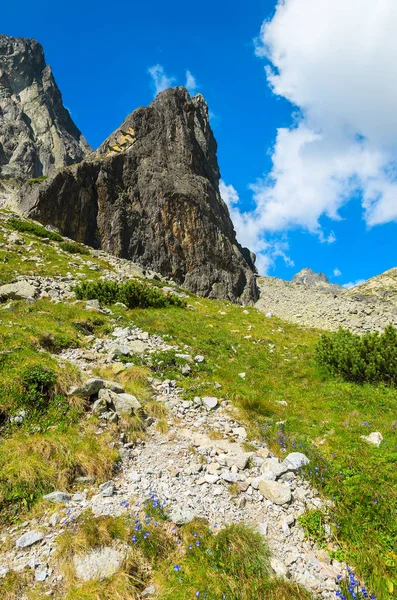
x: 371, y: 357
x: 29, y: 227
x: 73, y: 248
x: 134, y: 294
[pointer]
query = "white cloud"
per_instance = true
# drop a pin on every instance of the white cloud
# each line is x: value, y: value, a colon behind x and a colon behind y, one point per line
x: 160, y: 80
x: 249, y: 233
x: 337, y: 273
x: 191, y: 84
x: 334, y: 60
x: 353, y: 284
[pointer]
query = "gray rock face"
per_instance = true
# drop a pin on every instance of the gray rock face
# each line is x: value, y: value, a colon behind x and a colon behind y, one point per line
x: 309, y: 277
x: 152, y: 196
x: 36, y: 131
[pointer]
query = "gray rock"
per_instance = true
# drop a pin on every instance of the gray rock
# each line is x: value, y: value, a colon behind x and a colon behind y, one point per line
x: 98, y: 564
x: 3, y: 571
x: 29, y: 538
x: 137, y: 347
x: 58, y: 497
x: 240, y: 460
x: 278, y: 493
x: 113, y: 386
x: 295, y: 460
x: 107, y: 489
x: 181, y: 516
x: 100, y: 406
x: 210, y: 402
x: 88, y: 388
x: 273, y: 465
x: 37, y: 133
x: 125, y: 404
x: 21, y: 290
x: 149, y: 591
x: 41, y: 573
x: 278, y: 567
x: 186, y: 233
x: 54, y: 519
x: 375, y: 438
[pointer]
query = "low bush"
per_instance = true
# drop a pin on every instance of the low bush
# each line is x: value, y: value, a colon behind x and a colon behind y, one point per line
x: 134, y: 294
x: 38, y: 384
x: 73, y: 248
x: 371, y: 357
x: 29, y: 227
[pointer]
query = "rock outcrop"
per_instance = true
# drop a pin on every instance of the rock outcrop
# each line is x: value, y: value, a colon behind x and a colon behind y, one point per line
x: 309, y: 278
x: 151, y: 194
x: 37, y: 133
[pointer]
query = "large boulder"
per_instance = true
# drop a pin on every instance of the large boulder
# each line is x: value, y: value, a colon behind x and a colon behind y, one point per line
x: 152, y: 195
x: 21, y: 290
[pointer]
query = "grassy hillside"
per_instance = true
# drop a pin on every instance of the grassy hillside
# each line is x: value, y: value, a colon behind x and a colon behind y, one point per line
x: 320, y: 415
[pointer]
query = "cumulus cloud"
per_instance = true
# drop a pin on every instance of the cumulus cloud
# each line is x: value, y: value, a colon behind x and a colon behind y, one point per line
x: 160, y: 80
x: 353, y: 284
x: 334, y: 61
x: 191, y: 84
x: 337, y: 273
x: 250, y: 233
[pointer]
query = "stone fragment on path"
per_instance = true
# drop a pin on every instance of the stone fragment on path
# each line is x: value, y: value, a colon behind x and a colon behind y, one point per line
x: 210, y: 402
x: 295, y: 460
x: 58, y: 497
x: 278, y: 493
x: 29, y: 538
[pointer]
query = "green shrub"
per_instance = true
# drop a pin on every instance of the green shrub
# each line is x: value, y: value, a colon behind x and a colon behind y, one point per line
x: 368, y: 358
x: 313, y: 523
x: 38, y: 385
x: 73, y: 248
x: 37, y: 179
x: 134, y: 294
x: 29, y: 227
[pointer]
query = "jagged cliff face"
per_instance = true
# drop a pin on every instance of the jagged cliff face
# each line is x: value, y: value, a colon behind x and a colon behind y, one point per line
x: 36, y: 131
x: 151, y: 194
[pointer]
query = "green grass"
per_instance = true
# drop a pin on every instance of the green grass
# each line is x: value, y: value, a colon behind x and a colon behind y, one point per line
x: 325, y: 417
x: 42, y: 259
x: 232, y: 563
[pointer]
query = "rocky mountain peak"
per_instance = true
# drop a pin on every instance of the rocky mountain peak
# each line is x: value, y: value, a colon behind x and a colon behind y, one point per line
x: 37, y: 133
x: 310, y: 278
x: 151, y: 194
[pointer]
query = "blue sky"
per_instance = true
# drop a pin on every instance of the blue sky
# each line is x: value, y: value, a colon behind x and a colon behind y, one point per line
x: 333, y: 162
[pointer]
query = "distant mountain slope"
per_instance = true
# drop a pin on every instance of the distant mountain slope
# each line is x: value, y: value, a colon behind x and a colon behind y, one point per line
x: 311, y: 300
x: 37, y: 133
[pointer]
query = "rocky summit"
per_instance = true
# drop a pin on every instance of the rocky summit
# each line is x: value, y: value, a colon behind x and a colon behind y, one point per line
x: 37, y: 133
x: 151, y: 194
